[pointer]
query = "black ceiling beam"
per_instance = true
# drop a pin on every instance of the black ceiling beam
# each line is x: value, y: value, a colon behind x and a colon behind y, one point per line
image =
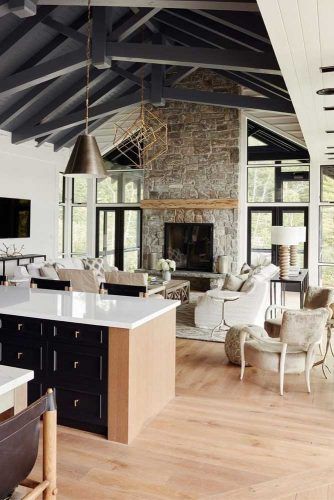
x: 53, y: 44
x: 129, y: 76
x: 4, y: 10
x: 8, y: 116
x: 254, y: 81
x: 158, y: 73
x: 194, y: 24
x: 99, y: 39
x: 237, y: 60
x: 64, y: 98
x: 132, y: 24
x: 265, y: 153
x: 23, y: 29
x: 180, y: 75
x: 164, y: 4
x: 76, y: 118
x: 65, y: 30
x: 213, y: 16
x: 249, y: 82
x: 227, y: 100
x: 113, y: 89
x: 23, y: 8
x: 61, y: 65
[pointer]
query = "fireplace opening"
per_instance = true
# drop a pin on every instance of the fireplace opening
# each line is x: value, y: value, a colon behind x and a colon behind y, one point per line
x: 190, y: 245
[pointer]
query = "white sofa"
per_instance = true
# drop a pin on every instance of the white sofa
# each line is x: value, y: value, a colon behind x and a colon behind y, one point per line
x: 250, y: 307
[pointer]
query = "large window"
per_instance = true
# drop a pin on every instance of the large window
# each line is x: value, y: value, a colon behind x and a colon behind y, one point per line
x: 120, y: 187
x: 326, y: 220
x: 281, y: 183
x: 79, y: 216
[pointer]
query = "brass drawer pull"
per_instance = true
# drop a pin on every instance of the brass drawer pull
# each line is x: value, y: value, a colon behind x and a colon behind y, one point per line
x: 76, y: 364
x: 19, y: 326
x: 19, y: 355
x: 76, y: 402
x: 76, y: 334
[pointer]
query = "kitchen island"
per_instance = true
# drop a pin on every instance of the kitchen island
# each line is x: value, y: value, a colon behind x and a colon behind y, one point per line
x: 110, y: 359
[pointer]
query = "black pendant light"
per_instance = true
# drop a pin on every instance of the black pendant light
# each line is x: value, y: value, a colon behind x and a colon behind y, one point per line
x: 86, y: 159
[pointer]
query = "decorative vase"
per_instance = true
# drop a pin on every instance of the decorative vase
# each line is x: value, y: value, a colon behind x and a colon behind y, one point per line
x: 224, y: 264
x: 152, y: 260
x: 166, y: 275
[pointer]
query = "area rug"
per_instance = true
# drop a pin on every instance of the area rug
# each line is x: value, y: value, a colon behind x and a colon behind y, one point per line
x: 186, y: 328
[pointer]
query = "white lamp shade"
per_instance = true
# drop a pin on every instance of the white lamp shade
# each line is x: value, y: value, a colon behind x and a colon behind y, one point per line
x: 284, y: 235
x: 301, y: 234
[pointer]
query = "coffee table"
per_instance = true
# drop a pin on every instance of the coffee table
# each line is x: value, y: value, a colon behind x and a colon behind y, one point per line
x: 178, y: 290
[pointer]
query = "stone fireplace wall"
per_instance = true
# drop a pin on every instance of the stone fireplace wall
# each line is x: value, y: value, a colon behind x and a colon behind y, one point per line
x: 202, y: 162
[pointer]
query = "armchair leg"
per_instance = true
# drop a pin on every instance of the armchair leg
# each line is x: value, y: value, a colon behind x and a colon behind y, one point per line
x: 308, y: 367
x: 282, y: 369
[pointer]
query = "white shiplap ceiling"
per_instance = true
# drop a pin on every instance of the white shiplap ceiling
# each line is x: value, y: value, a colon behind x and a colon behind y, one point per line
x: 302, y: 35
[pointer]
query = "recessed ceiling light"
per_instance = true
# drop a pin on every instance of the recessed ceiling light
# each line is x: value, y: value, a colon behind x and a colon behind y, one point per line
x: 328, y: 91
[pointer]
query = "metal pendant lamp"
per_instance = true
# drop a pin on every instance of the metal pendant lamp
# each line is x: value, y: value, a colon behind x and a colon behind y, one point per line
x: 86, y: 159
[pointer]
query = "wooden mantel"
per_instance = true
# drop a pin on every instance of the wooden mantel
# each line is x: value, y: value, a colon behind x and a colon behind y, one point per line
x: 199, y: 203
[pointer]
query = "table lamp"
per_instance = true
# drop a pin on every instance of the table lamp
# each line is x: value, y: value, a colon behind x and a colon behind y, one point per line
x: 300, y: 238
x: 284, y: 236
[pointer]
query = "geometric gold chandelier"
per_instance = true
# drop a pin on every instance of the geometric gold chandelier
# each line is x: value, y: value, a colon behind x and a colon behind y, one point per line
x: 141, y: 131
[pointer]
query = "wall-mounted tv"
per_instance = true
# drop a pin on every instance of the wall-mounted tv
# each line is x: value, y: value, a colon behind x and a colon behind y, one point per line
x: 14, y: 218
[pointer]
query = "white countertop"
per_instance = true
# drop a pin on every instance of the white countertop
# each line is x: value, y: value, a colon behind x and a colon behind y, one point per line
x: 11, y: 378
x: 78, y: 307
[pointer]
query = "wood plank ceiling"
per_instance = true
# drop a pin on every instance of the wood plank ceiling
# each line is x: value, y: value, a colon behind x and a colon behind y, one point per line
x: 42, y: 62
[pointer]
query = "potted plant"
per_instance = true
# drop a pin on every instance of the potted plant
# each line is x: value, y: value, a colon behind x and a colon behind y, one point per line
x: 166, y: 266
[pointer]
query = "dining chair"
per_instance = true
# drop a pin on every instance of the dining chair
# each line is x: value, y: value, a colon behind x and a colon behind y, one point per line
x: 19, y: 440
x: 46, y: 284
x: 294, y: 352
x: 127, y: 290
x: 4, y: 280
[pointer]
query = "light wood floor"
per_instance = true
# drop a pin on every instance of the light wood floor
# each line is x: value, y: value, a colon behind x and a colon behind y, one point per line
x: 219, y: 439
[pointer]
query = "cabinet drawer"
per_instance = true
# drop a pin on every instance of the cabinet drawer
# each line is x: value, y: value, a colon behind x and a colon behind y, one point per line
x: 21, y: 327
x: 22, y: 355
x: 78, y: 366
x: 78, y: 334
x: 81, y: 406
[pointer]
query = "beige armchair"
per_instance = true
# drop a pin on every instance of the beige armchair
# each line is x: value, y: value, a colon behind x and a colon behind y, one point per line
x: 126, y: 278
x: 316, y: 296
x: 301, y: 332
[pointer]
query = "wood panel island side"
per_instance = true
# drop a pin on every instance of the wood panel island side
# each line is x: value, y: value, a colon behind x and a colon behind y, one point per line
x: 110, y: 359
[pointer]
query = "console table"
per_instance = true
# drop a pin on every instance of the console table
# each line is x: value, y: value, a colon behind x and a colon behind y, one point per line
x: 301, y: 281
x: 18, y: 258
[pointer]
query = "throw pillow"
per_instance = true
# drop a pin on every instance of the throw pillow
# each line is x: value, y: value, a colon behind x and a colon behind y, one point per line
x: 96, y: 265
x: 48, y: 271
x: 245, y: 269
x: 248, y: 285
x: 234, y: 283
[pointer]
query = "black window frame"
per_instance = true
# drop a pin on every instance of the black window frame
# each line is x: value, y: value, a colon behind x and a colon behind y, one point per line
x: 119, y: 232
x: 277, y: 220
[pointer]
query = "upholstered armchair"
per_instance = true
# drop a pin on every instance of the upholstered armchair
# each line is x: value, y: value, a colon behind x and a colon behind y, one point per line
x: 316, y: 296
x: 301, y: 332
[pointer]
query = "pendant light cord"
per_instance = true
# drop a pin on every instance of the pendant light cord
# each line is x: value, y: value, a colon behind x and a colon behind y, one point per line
x: 88, y: 62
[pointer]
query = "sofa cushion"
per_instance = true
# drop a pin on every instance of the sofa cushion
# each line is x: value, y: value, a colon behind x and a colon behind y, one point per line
x: 34, y: 269
x: 233, y: 282
x: 245, y: 268
x: 248, y: 285
x: 21, y: 273
x: 48, y: 271
x: 92, y: 264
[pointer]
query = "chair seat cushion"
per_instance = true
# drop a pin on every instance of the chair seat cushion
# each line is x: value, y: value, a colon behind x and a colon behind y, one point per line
x: 268, y: 358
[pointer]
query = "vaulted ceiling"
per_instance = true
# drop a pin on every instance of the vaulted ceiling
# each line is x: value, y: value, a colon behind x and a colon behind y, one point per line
x: 42, y: 61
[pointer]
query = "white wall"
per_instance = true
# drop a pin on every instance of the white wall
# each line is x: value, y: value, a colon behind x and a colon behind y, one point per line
x: 32, y: 173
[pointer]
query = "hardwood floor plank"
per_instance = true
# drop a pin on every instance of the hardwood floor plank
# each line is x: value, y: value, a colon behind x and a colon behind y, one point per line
x: 220, y: 439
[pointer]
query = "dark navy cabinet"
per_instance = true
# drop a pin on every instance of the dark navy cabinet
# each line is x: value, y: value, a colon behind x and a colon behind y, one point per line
x: 72, y: 358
